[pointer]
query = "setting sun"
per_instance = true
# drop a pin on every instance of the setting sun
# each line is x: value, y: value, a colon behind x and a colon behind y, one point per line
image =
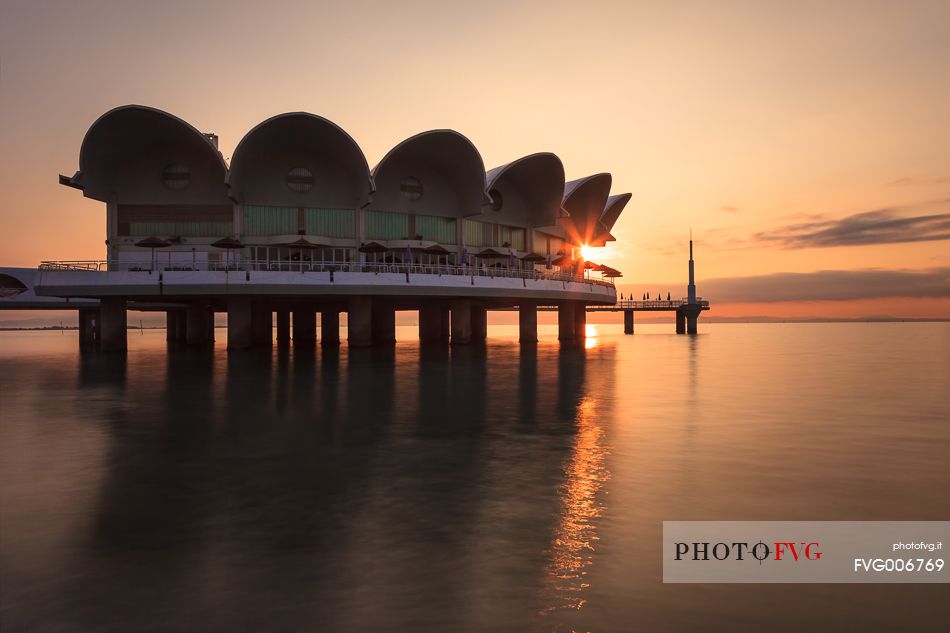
x: 587, y: 251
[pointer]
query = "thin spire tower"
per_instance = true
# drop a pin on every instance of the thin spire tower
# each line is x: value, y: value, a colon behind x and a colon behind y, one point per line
x: 691, y: 288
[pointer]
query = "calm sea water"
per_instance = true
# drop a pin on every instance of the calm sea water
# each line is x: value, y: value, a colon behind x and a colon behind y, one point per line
x: 492, y: 488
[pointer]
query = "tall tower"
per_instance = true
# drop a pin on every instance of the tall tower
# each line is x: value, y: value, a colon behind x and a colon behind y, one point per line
x: 691, y: 288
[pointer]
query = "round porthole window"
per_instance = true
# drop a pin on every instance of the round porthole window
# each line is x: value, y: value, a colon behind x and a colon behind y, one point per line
x: 300, y: 179
x: 496, y: 200
x: 176, y: 176
x: 411, y: 188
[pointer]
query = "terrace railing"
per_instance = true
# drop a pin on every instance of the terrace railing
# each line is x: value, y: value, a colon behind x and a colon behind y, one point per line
x: 303, y: 266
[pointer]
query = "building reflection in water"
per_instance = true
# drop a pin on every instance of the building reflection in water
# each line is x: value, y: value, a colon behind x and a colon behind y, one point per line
x: 367, y: 489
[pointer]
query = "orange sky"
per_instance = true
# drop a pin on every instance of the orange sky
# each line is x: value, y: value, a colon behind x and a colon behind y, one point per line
x: 793, y: 137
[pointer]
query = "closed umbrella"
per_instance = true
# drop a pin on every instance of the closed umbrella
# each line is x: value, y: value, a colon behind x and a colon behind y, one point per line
x: 464, y: 256
x: 511, y: 259
x: 407, y: 256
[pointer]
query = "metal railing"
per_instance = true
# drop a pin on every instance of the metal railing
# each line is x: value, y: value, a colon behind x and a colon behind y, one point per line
x: 654, y: 304
x: 302, y: 266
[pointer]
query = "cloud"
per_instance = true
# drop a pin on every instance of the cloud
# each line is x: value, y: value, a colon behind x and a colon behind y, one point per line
x: 729, y: 209
x: 829, y: 285
x: 903, y: 182
x: 882, y: 226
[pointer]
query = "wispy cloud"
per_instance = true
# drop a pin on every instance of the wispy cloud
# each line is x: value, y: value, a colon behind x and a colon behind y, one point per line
x: 881, y: 226
x: 825, y: 285
x: 904, y: 182
x: 729, y: 209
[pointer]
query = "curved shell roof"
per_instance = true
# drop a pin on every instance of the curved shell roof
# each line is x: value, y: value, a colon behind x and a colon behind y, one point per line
x: 584, y: 201
x: 119, y: 143
x: 445, y: 155
x: 613, y: 209
x: 539, y: 179
x: 300, y: 140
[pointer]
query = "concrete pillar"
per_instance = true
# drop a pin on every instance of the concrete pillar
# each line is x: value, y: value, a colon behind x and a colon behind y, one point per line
x: 479, y: 319
x: 528, y: 322
x: 383, y: 321
x: 199, y: 329
x: 580, y: 321
x: 359, y: 322
x: 444, y: 322
x: 240, y: 323
x: 283, y: 328
x: 628, y: 321
x: 262, y: 324
x: 330, y: 327
x: 89, y: 333
x: 113, y: 325
x: 305, y: 326
x: 680, y: 322
x: 691, y: 319
x: 461, y: 321
x: 171, y: 326
x: 565, y: 321
x: 430, y: 322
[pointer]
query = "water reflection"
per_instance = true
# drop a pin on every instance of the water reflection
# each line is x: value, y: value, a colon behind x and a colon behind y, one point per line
x: 449, y: 488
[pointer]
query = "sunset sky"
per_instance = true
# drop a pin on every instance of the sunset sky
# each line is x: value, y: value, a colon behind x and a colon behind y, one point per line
x: 807, y: 144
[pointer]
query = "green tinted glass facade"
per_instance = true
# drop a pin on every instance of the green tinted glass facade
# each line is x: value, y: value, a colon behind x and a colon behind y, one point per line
x: 383, y: 225
x: 270, y: 220
x: 437, y: 229
x: 330, y: 222
x: 181, y: 229
x: 483, y: 234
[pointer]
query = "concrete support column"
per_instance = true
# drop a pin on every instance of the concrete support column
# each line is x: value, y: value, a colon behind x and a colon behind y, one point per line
x: 89, y: 333
x: 461, y: 321
x: 628, y: 321
x: 283, y: 328
x: 444, y: 322
x: 680, y: 322
x: 305, y: 326
x: 691, y: 322
x: 383, y: 322
x: 330, y: 327
x: 171, y: 326
x: 262, y: 324
x: 240, y: 323
x: 430, y: 322
x: 113, y: 325
x: 580, y: 321
x: 528, y: 322
x: 479, y: 322
x: 199, y: 325
x: 565, y: 321
x: 359, y: 322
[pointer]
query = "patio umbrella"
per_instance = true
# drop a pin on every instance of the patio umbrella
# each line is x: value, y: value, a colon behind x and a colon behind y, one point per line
x: 533, y: 257
x: 153, y: 242
x: 301, y: 244
x: 563, y: 260
x: 436, y: 250
x: 488, y: 252
x: 372, y: 247
x: 229, y: 244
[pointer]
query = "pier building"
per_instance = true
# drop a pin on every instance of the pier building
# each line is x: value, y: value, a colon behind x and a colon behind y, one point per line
x: 298, y: 225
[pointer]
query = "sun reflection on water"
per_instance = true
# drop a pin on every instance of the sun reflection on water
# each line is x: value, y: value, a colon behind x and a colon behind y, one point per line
x: 591, y: 334
x: 575, y: 536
